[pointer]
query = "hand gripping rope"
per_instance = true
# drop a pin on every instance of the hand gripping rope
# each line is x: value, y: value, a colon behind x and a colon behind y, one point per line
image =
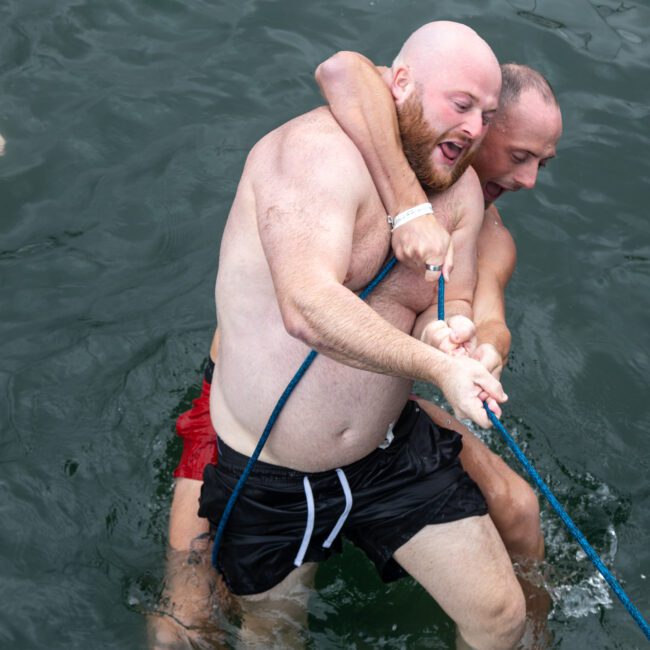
x: 519, y: 454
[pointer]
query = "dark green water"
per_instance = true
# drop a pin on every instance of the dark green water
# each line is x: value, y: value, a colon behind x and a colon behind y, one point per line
x: 127, y: 124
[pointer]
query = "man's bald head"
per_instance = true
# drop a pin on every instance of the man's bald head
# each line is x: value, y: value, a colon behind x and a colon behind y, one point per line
x: 446, y: 83
x: 439, y: 48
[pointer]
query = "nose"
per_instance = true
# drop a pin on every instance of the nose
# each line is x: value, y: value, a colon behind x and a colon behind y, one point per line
x: 474, y: 126
x: 527, y: 175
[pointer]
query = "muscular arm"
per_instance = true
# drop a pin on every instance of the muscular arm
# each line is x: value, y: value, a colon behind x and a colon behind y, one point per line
x: 497, y: 256
x: 306, y: 224
x: 361, y: 102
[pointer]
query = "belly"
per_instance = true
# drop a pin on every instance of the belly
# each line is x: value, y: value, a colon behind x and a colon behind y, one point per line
x: 336, y: 414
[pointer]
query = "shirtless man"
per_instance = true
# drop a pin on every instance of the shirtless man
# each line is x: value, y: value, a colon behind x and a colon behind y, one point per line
x: 294, y: 268
x: 522, y: 138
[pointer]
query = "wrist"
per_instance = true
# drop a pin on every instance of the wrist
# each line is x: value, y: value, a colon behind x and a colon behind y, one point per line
x: 414, y: 212
x: 405, y: 190
x: 438, y: 366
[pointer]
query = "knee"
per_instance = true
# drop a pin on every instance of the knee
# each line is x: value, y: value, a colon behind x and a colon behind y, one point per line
x: 509, y: 619
x: 503, y: 622
x: 515, y: 511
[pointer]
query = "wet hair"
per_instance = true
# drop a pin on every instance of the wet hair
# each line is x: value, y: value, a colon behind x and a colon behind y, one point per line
x: 516, y: 78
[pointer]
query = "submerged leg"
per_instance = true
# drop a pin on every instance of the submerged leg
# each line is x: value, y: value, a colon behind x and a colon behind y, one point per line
x: 185, y: 618
x: 278, y: 618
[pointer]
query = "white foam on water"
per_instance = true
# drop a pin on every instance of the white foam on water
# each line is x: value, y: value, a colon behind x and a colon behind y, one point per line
x: 576, y: 586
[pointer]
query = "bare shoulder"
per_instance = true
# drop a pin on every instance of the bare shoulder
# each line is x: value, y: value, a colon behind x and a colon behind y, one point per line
x: 312, y: 141
x: 496, y: 247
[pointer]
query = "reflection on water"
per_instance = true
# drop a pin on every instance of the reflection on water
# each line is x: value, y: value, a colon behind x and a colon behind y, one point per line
x: 126, y: 126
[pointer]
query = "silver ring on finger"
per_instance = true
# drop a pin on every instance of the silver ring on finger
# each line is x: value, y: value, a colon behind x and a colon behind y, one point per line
x: 434, y: 268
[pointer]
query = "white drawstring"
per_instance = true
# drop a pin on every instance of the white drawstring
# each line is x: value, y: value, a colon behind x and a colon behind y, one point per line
x: 309, y: 529
x: 348, y: 506
x: 311, y: 516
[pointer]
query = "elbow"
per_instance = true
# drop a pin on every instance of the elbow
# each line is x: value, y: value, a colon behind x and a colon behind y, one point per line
x: 335, y: 70
x: 296, y: 324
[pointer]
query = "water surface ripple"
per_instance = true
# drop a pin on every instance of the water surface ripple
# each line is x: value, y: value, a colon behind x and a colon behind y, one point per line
x: 127, y: 125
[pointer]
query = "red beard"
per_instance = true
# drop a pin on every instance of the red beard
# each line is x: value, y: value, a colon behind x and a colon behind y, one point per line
x: 419, y: 140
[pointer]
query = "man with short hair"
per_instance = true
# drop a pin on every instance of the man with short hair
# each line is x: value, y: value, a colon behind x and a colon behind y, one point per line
x: 521, y: 139
x: 315, y: 241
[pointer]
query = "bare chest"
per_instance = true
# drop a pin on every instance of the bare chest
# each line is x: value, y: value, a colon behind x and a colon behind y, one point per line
x: 370, y: 251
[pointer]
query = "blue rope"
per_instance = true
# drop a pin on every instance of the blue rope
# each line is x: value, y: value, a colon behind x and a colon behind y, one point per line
x: 274, y: 416
x: 546, y: 491
x: 568, y: 522
x: 521, y: 457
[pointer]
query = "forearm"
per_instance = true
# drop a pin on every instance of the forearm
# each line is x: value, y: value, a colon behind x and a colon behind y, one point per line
x: 496, y: 333
x: 335, y: 322
x: 362, y: 104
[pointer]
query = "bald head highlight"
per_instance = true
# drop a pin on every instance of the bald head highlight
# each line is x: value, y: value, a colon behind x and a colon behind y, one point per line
x: 429, y: 50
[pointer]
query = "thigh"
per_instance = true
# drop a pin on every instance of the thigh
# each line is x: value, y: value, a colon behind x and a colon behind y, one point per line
x: 465, y: 567
x: 186, y: 528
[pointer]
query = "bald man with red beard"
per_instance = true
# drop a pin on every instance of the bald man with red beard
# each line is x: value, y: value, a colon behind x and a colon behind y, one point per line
x: 521, y: 139
x: 483, y: 622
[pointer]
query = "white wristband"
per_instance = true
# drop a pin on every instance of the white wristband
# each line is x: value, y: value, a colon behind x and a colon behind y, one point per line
x: 409, y: 215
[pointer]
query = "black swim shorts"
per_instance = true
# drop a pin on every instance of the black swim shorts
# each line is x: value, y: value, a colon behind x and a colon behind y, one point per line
x: 283, y: 518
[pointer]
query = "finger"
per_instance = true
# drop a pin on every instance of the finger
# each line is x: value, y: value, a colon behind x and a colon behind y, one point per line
x: 492, y: 387
x: 405, y: 254
x: 494, y: 407
x: 432, y: 271
x: 461, y: 335
x: 448, y: 264
x: 476, y: 413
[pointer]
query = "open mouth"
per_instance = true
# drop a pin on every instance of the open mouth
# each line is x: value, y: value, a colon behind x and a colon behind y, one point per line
x: 451, y: 151
x: 492, y: 191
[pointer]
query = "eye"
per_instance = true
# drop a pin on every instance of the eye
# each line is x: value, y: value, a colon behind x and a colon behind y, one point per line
x: 487, y: 118
x: 461, y: 106
x: 519, y: 157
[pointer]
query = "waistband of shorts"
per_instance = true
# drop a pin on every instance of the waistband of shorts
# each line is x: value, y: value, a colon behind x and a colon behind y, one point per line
x: 233, y: 462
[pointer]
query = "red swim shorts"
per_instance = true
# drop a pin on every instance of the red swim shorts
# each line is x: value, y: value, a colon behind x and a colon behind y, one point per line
x: 199, y: 438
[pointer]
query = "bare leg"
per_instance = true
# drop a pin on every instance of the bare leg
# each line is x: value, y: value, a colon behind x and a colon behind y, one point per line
x: 513, y: 507
x: 512, y: 504
x: 278, y: 618
x: 192, y: 587
x: 466, y: 569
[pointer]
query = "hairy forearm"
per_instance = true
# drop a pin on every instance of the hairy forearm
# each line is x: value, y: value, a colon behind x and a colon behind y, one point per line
x: 335, y: 322
x: 362, y: 104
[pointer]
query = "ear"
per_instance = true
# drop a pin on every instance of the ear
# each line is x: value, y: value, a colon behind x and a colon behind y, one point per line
x: 401, y: 85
